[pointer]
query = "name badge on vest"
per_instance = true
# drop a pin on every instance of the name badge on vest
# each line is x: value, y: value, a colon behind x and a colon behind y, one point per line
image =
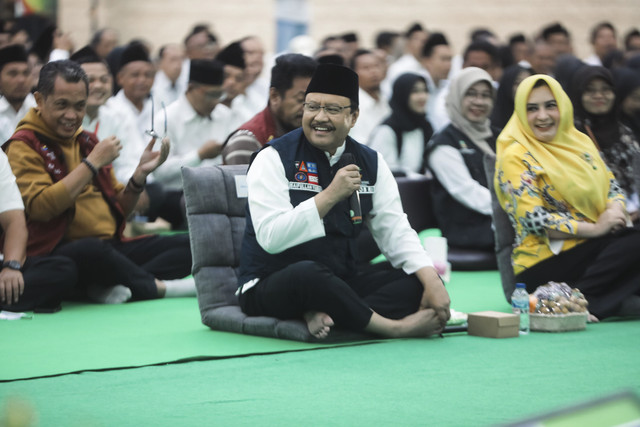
x: 365, y: 188
x: 464, y: 148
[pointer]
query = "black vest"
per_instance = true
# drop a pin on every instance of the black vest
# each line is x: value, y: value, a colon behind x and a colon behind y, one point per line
x: 463, y: 227
x: 308, y: 172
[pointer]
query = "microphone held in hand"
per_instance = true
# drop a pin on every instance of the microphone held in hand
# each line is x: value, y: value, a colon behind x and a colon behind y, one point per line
x: 355, y: 212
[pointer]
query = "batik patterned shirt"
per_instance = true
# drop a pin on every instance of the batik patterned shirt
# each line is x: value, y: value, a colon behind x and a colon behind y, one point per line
x: 534, y: 206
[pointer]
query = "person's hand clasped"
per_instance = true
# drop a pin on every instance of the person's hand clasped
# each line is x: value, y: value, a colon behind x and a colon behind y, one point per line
x: 435, y: 295
x: 613, y: 219
x: 105, y: 152
x: 11, y: 286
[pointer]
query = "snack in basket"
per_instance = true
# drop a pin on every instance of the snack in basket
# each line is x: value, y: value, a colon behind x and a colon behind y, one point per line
x: 558, y: 308
x: 559, y: 298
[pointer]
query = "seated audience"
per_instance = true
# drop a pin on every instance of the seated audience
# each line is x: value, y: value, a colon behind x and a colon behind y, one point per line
x: 436, y: 60
x: 196, y: 128
x: 402, y: 138
x: 567, y: 209
x: 603, y: 40
x: 104, y: 41
x: 167, y: 85
x: 256, y: 87
x: 414, y: 39
x: 594, y: 110
x: 242, y: 110
x: 135, y: 76
x: 627, y: 83
x: 290, y: 77
x: 542, y: 58
x: 509, y: 82
x: 15, y: 88
x: 566, y: 67
x: 374, y: 108
x: 460, y: 194
x: 36, y: 282
x: 299, y: 252
x: 558, y: 37
x: 105, y: 120
x: 76, y: 207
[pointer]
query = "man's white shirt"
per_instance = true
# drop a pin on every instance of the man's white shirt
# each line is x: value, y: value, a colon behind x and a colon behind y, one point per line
x: 9, y: 118
x: 187, y: 131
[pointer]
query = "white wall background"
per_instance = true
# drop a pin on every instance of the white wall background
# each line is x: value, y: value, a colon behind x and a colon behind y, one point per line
x: 162, y: 21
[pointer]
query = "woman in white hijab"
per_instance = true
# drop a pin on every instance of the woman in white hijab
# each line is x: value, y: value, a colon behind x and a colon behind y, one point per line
x: 460, y: 194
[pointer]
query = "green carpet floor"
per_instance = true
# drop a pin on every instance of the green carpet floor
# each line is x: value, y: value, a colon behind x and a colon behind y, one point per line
x: 458, y: 380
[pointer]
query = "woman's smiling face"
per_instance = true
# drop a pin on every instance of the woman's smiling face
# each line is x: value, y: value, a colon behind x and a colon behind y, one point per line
x: 543, y: 115
x: 477, y: 102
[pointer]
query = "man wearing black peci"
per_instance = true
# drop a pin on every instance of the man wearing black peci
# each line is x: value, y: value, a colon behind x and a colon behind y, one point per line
x: 299, y: 251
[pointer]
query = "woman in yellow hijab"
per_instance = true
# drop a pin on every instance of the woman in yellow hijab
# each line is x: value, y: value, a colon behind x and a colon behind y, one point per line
x: 564, y: 204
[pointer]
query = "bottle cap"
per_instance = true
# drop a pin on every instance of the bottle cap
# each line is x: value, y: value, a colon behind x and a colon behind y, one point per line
x: 520, y: 285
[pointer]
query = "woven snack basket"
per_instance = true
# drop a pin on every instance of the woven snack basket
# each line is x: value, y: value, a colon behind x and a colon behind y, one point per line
x: 558, y: 322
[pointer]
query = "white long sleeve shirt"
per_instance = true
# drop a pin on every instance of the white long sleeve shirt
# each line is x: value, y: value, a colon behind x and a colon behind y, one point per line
x: 10, y: 198
x: 142, y: 117
x: 449, y: 167
x: 187, y: 131
x: 280, y: 226
x: 9, y: 118
x: 409, y: 161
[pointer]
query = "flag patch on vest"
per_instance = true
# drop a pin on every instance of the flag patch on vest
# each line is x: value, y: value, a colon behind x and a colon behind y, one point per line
x: 300, y: 166
x: 304, y: 186
x: 312, y: 167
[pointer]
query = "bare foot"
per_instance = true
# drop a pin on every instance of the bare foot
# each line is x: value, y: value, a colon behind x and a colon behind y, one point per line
x: 591, y: 318
x: 318, y: 323
x: 422, y: 323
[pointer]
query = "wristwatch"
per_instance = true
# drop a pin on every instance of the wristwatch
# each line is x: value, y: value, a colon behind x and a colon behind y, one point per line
x: 12, y: 264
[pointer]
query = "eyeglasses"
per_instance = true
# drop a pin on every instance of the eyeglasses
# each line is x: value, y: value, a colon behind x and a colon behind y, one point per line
x: 213, y: 95
x: 478, y: 95
x: 605, y: 90
x: 217, y: 95
x: 151, y: 132
x: 332, y: 110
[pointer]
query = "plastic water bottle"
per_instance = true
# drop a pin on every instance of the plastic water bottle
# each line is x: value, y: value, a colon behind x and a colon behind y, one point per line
x: 520, y: 304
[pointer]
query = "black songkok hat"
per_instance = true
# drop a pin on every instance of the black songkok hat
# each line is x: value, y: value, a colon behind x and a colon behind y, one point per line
x: 207, y: 72
x: 86, y: 55
x: 335, y: 80
x: 350, y: 37
x: 12, y: 53
x: 134, y: 52
x: 232, y: 55
x: 331, y: 59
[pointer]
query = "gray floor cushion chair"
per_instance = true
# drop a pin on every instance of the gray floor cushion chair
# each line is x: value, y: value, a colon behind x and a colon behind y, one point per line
x: 216, y: 218
x: 503, y: 230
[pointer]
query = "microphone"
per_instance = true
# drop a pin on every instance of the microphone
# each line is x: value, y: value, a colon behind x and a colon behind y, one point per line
x: 355, y: 211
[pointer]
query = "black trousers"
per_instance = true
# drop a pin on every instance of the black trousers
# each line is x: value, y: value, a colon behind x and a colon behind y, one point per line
x: 166, y: 204
x: 310, y: 286
x: 134, y: 263
x: 47, y: 280
x: 606, y: 270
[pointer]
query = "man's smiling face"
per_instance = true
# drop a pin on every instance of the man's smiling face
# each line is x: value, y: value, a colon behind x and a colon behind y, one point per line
x: 328, y: 131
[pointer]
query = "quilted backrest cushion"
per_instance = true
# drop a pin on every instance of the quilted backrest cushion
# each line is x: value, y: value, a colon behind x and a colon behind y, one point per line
x: 216, y: 218
x: 635, y: 164
x: 503, y: 230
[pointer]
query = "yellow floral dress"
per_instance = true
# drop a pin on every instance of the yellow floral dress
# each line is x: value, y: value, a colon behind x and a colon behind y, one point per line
x: 534, y: 205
